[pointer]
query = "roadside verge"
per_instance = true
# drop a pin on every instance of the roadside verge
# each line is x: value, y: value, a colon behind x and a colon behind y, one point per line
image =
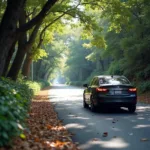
x: 45, y: 131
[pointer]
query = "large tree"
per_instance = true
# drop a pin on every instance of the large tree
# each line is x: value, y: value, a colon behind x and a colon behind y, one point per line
x: 8, y: 29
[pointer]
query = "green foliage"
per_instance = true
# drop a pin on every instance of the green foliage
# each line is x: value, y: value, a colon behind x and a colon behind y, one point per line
x: 55, y: 54
x: 14, y: 105
x: 2, y: 8
x: 15, y: 98
x: 43, y: 83
x: 78, y: 67
x: 115, y: 68
x: 143, y: 86
x: 34, y: 86
x: 115, y: 39
x: 38, y: 54
x: 94, y: 73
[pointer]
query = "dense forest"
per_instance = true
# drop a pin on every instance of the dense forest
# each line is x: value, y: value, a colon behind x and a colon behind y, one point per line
x: 120, y: 48
x: 75, y: 40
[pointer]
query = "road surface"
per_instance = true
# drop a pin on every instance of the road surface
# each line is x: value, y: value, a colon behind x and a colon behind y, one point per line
x: 125, y: 131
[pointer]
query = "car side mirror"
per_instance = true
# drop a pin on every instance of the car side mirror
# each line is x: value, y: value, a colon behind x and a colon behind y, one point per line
x: 85, y: 85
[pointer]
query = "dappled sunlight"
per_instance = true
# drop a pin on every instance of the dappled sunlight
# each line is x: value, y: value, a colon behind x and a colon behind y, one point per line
x: 117, y: 143
x: 75, y: 125
x: 142, y: 126
x: 140, y: 118
x: 143, y: 108
x: 109, y: 118
x: 91, y: 123
x: 133, y: 120
x: 116, y: 129
x: 83, y: 118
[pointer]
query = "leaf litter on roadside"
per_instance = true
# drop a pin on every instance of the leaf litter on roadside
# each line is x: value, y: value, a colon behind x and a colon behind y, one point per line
x: 46, y: 131
x: 105, y: 134
x: 144, y: 140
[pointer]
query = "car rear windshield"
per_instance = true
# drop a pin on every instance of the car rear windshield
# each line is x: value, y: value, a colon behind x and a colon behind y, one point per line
x: 113, y: 80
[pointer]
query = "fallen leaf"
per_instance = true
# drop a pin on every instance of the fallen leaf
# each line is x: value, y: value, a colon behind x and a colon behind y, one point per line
x: 49, y: 127
x: 105, y: 134
x: 144, y: 139
x: 72, y: 134
x: 95, y: 139
x: 22, y: 136
x: 77, y: 143
x: 37, y: 140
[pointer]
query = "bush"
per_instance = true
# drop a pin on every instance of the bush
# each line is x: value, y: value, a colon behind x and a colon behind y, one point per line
x: 14, y: 106
x: 68, y: 83
x: 95, y: 73
x: 115, y: 68
x: 143, y: 86
x: 34, y: 86
x: 44, y: 83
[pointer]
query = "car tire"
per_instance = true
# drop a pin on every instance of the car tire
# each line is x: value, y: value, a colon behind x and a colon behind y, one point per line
x: 85, y: 105
x: 132, y: 108
x: 93, y: 107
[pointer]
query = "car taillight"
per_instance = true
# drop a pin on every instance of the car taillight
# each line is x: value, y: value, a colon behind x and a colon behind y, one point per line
x: 132, y: 89
x: 101, y: 89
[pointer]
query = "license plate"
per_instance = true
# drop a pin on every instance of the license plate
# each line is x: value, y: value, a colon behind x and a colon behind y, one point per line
x: 118, y: 92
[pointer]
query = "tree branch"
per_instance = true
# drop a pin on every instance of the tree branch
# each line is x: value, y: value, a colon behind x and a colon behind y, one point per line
x: 42, y: 14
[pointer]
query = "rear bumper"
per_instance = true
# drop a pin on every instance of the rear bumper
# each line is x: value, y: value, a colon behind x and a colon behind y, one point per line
x: 115, y: 101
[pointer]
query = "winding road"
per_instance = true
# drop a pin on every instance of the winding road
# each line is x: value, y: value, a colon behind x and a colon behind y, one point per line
x: 124, y: 131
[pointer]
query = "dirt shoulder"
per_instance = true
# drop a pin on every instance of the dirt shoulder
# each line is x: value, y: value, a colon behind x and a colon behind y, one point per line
x: 144, y: 98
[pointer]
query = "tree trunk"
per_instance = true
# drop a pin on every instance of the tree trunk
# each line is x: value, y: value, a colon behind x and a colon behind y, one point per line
x: 43, y: 72
x: 26, y: 66
x: 80, y: 74
x: 47, y: 73
x: 8, y: 29
x: 22, y: 50
x: 9, y: 57
x: 102, y: 64
x: 14, y: 70
x: 46, y: 76
x: 39, y: 66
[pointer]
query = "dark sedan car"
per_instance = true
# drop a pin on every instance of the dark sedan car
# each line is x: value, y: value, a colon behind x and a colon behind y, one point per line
x: 113, y: 91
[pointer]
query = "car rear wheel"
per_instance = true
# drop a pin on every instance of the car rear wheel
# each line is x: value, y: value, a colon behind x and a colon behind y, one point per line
x: 132, y: 108
x: 93, y: 107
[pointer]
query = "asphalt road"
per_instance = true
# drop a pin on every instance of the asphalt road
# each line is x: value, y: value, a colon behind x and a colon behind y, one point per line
x: 125, y: 131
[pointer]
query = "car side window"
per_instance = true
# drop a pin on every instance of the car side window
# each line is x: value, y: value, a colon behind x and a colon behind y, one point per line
x: 92, y: 82
x: 97, y: 82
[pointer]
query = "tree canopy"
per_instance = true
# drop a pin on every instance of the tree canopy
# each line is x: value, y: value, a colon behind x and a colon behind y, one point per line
x: 92, y: 37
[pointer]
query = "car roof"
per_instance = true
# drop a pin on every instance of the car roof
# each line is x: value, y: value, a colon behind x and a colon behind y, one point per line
x: 100, y: 76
